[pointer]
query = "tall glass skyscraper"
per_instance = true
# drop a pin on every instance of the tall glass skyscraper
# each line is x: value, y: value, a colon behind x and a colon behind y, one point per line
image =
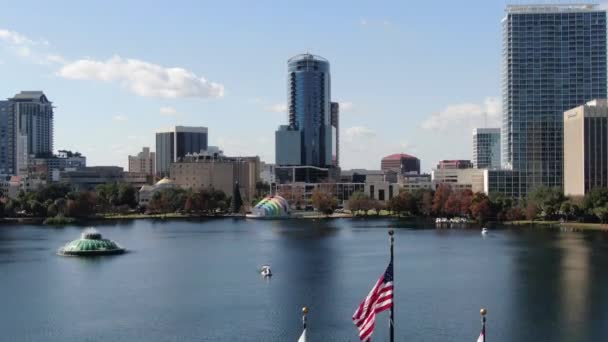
x: 486, y: 148
x: 309, y: 112
x: 554, y: 59
x: 26, y: 129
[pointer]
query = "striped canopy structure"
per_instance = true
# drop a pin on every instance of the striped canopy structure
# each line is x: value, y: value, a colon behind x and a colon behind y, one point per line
x: 272, y: 206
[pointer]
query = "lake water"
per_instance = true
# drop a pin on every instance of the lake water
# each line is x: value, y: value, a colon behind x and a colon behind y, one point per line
x: 198, y: 281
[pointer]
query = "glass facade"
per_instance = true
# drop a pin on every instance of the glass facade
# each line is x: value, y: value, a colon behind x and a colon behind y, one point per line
x: 176, y: 144
x: 308, y: 105
x: 335, y: 125
x: 554, y: 59
x: 7, y: 139
x: 26, y: 129
x: 595, y: 152
x: 486, y: 148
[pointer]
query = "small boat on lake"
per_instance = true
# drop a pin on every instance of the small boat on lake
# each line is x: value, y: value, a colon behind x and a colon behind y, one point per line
x: 484, y: 231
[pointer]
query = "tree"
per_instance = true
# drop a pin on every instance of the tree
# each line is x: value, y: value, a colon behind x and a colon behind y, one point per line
x: 532, y: 210
x: 237, y: 202
x: 595, y: 198
x: 482, y: 210
x: 514, y: 214
x: 548, y: 200
x: 324, y: 201
x: 601, y: 213
x: 358, y: 202
x: 426, y: 203
x: 127, y: 195
x: 52, y: 210
x: 442, y: 194
x: 36, y: 208
x: 402, y: 203
x: 82, y: 206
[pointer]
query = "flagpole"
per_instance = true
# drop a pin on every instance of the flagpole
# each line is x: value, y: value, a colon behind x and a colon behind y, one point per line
x: 304, y: 313
x: 483, y: 313
x: 392, y: 321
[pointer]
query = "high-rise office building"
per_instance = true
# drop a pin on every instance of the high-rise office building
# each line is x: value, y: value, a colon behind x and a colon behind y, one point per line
x: 26, y: 129
x: 144, y: 162
x: 554, y: 59
x: 401, y: 163
x: 7, y: 139
x: 335, y: 126
x: 309, y: 114
x: 586, y: 148
x: 486, y: 148
x: 176, y: 143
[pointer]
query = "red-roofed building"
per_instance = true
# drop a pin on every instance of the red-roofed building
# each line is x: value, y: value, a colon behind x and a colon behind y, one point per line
x: 402, y: 163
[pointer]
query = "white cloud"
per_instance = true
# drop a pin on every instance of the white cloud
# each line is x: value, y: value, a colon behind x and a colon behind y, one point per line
x: 119, y: 118
x: 168, y: 111
x: 15, y: 38
x: 375, y: 22
x: 345, y: 106
x: 143, y: 78
x: 278, y: 108
x: 56, y: 59
x: 358, y: 132
x: 27, y: 48
x: 467, y: 114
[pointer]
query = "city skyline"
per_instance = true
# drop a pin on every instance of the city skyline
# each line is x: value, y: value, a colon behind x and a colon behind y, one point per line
x: 399, y: 78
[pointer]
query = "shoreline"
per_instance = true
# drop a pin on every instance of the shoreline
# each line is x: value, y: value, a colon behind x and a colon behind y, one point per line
x: 567, y: 226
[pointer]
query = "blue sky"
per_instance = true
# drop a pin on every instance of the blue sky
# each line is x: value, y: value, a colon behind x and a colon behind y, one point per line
x: 413, y: 77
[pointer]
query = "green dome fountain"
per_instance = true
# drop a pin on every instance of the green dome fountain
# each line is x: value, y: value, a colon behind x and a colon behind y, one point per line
x: 91, y: 243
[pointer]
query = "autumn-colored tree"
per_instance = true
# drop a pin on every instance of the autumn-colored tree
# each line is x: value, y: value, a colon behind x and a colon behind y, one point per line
x: 442, y: 194
x: 452, y: 204
x: 324, y: 201
x: 532, y: 211
x: 482, y: 210
x: 514, y: 214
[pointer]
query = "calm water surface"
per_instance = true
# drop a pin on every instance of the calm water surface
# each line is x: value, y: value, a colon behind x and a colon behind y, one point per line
x: 198, y: 281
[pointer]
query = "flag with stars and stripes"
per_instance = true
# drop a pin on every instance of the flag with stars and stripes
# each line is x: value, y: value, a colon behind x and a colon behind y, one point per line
x: 379, y: 299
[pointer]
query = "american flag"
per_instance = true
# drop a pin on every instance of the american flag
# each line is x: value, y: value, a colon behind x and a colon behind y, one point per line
x: 379, y: 299
x: 482, y: 336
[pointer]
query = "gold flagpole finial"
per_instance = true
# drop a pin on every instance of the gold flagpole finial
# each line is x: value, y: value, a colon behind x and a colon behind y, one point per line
x: 483, y: 312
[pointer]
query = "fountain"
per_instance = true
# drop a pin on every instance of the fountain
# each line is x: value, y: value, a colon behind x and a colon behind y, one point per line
x: 91, y: 243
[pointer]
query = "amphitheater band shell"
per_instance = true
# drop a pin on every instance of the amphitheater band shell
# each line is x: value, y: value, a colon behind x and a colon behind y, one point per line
x: 271, y: 207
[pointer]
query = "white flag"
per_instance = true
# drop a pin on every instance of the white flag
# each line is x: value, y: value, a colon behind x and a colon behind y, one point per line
x: 303, y: 337
x: 481, y: 337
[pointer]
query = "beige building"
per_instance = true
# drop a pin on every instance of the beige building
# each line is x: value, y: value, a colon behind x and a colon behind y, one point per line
x: 586, y: 148
x: 461, y: 179
x: 413, y: 182
x: 220, y: 174
x: 144, y: 162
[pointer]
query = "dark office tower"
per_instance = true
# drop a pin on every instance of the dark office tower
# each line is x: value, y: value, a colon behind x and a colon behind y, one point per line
x: 554, y: 59
x: 335, y: 126
x: 7, y: 138
x: 308, y: 108
x: 176, y: 143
